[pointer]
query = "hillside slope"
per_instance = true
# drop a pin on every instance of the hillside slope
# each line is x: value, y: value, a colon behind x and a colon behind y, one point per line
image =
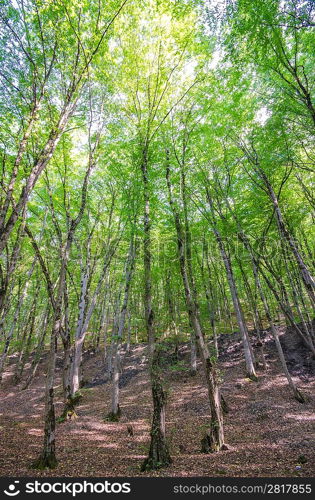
x: 267, y: 431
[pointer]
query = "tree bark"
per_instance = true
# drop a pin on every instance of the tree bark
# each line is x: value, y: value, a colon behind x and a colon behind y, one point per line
x: 158, y: 453
x: 118, y: 333
x: 214, y: 439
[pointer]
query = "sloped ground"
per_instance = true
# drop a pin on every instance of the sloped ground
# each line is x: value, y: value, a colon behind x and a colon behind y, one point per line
x: 267, y: 431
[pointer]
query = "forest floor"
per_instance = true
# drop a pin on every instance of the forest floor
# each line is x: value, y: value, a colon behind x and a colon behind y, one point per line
x: 268, y: 433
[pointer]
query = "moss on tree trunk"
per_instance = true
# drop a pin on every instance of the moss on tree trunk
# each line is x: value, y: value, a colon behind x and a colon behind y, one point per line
x: 159, y: 455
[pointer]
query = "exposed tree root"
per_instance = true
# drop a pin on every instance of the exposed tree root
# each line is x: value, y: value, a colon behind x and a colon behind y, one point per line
x: 45, y: 461
x: 113, y: 416
x: 209, y: 445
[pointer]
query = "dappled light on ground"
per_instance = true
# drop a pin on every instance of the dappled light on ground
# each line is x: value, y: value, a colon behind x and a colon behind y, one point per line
x: 266, y: 429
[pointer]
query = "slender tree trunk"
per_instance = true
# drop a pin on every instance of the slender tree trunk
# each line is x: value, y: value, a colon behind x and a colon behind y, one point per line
x: 149, y: 315
x: 295, y: 295
x: 128, y: 333
x: 214, y: 438
x: 250, y: 367
x: 297, y: 394
x: 47, y: 458
x: 16, y: 316
x: 38, y: 352
x: 115, y: 411
x: 84, y: 320
x: 26, y: 342
x: 188, y: 255
x: 253, y: 304
x: 80, y: 333
x: 159, y: 455
x: 105, y: 329
x: 285, y: 308
x: 249, y: 359
x: 306, y: 276
x: 209, y: 298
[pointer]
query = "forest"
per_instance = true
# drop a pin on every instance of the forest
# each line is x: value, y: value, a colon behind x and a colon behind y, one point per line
x: 157, y: 209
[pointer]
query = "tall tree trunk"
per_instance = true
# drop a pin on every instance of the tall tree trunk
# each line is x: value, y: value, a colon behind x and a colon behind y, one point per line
x: 255, y: 265
x: 284, y: 232
x: 80, y: 332
x: 47, y: 458
x: 188, y: 255
x: 128, y: 333
x: 118, y: 333
x: 26, y: 348
x: 214, y: 438
x: 149, y: 315
x: 38, y: 352
x: 249, y: 360
x: 252, y: 301
x: 159, y: 455
x: 15, y: 317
